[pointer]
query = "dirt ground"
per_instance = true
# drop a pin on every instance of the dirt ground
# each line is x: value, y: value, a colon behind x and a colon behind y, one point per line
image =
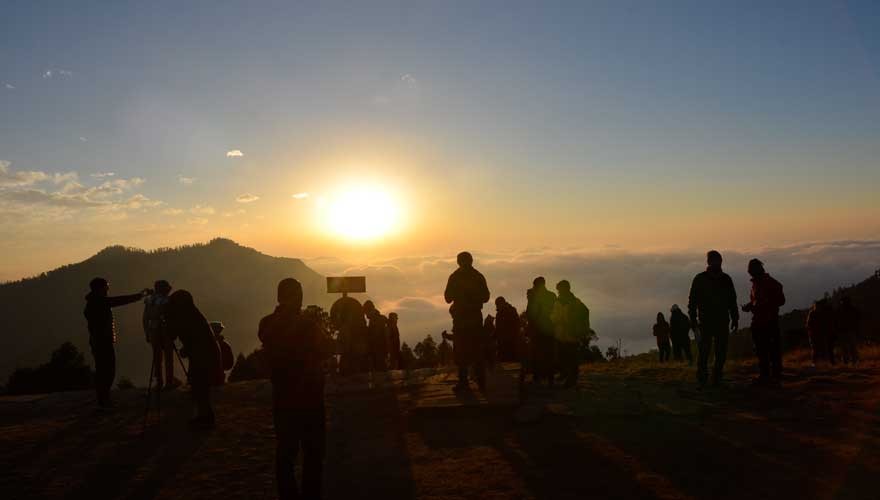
x: 629, y: 430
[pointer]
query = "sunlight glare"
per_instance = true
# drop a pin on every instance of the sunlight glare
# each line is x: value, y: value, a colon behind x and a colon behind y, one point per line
x: 361, y: 213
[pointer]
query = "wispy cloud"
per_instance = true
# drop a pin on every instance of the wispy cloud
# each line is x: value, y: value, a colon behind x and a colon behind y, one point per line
x: 172, y: 212
x: 197, y: 221
x: 247, y: 198
x: 186, y: 181
x: 202, y: 210
x: 102, y: 175
x: 8, y: 178
x: 83, y: 139
x: 57, y: 72
x: 234, y: 213
x: 234, y: 153
x: 299, y: 196
x: 8, y: 86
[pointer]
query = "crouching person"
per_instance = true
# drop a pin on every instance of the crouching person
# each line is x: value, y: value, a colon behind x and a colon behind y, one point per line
x: 294, y: 348
x: 187, y: 323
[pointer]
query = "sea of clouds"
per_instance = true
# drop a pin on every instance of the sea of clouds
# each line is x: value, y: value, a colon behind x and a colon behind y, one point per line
x: 624, y: 290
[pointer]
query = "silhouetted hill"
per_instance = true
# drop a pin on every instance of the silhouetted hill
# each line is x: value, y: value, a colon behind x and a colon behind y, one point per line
x: 230, y: 282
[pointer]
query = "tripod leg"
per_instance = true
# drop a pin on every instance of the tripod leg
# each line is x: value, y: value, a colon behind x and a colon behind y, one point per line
x: 149, y: 390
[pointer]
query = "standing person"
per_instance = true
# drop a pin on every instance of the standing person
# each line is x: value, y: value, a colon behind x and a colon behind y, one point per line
x: 680, y: 327
x: 377, y: 338
x: 714, y: 314
x: 393, y: 342
x: 507, y: 330
x: 571, y: 322
x: 102, y: 333
x: 467, y: 291
x: 295, y: 350
x: 846, y: 322
x: 490, y: 342
x: 538, y: 310
x: 155, y: 327
x: 766, y: 298
x: 820, y: 328
x: 347, y: 316
x: 662, y: 333
x: 187, y: 323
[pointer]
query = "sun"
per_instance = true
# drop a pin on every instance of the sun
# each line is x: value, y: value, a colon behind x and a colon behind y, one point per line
x: 361, y: 213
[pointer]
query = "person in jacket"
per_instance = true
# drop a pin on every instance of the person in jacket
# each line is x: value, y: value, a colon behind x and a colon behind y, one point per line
x: 680, y: 327
x: 541, y: 330
x: 155, y: 330
x: 820, y: 328
x: 295, y: 350
x: 571, y: 323
x: 846, y: 323
x: 187, y: 323
x: 377, y: 338
x: 347, y: 317
x: 714, y: 314
x: 466, y: 291
x: 393, y: 342
x: 766, y: 298
x: 507, y: 330
x: 662, y: 332
x: 102, y: 333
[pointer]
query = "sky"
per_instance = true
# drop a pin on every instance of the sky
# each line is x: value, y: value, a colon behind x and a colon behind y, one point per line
x: 363, y: 134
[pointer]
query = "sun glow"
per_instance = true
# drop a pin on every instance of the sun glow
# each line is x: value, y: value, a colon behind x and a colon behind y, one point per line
x: 361, y: 213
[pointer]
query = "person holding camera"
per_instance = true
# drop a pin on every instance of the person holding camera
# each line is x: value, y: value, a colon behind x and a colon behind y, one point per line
x: 102, y: 333
x: 156, y: 331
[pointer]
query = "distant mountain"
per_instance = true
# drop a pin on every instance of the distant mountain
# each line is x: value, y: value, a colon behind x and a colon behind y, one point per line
x: 231, y: 283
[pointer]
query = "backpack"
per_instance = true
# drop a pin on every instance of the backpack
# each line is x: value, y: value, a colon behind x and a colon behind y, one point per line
x: 227, y: 359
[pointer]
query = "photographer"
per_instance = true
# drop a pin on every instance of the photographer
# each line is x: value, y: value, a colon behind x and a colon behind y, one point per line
x: 155, y: 329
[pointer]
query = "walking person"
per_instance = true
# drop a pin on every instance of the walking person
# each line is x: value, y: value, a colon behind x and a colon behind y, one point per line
x: 466, y: 291
x: 680, y: 328
x: 766, y: 298
x: 714, y: 314
x: 295, y: 350
x: 662, y: 333
x: 102, y: 333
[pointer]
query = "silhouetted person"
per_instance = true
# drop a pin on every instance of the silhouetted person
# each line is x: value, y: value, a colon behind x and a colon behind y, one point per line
x: 820, y: 328
x: 714, y: 314
x: 155, y: 329
x: 507, y: 331
x: 393, y: 342
x: 846, y: 322
x: 490, y: 342
x: 662, y: 332
x: 571, y: 322
x: 540, y: 330
x: 102, y: 333
x: 680, y: 327
x: 187, y: 323
x: 377, y: 338
x: 295, y: 350
x: 766, y: 297
x: 347, y: 316
x: 467, y: 291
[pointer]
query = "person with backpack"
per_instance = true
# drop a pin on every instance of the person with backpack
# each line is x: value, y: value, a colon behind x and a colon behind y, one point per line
x: 377, y: 338
x: 295, y: 350
x: 662, y: 333
x: 571, y: 323
x: 765, y: 300
x: 102, y: 333
x: 680, y: 328
x: 227, y: 358
x: 187, y: 323
x: 155, y: 330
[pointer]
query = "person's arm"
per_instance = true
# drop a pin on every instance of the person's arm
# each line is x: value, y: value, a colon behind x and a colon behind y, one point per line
x: 121, y: 300
x: 449, y: 294
x: 694, y: 301
x: 484, y: 290
x: 732, y: 305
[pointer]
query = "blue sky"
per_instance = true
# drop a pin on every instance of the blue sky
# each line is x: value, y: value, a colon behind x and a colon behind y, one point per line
x: 523, y: 112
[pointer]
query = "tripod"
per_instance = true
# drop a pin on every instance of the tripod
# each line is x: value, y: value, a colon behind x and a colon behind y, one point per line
x: 159, y: 391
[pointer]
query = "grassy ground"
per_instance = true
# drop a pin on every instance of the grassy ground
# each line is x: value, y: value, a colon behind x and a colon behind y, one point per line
x: 632, y: 429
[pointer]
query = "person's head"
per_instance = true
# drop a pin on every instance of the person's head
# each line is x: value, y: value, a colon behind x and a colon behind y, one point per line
x: 369, y: 307
x: 99, y: 286
x: 290, y: 293
x: 217, y: 327
x: 675, y: 308
x: 563, y: 287
x: 392, y: 318
x: 500, y: 302
x: 162, y: 287
x: 181, y: 299
x: 539, y: 282
x: 756, y: 268
x: 713, y: 259
x: 661, y: 318
x: 465, y: 259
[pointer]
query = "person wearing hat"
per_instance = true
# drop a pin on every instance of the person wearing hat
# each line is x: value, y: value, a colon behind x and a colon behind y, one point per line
x: 681, y: 342
x: 155, y: 330
x: 102, y: 333
x: 765, y: 300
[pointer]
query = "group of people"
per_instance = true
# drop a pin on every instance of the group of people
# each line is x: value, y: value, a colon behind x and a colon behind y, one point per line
x: 368, y: 341
x: 673, y: 336
x: 829, y: 327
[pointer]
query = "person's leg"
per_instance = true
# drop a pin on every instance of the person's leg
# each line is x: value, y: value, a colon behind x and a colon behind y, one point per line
x: 774, y: 348
x: 687, y: 351
x: 721, y: 337
x: 168, y: 351
x: 101, y: 369
x: 705, y: 346
x: 157, y: 363
x: 313, y: 444
x: 759, y: 337
x: 287, y: 436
